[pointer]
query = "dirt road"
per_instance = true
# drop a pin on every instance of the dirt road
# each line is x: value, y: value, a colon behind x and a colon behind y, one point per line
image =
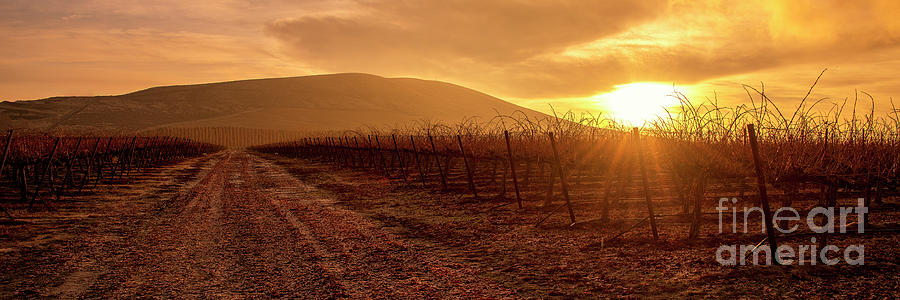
x: 240, y: 227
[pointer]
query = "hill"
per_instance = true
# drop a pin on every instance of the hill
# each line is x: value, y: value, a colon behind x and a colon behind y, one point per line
x: 318, y: 102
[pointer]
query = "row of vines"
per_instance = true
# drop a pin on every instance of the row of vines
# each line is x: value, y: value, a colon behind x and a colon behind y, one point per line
x: 38, y: 169
x: 589, y: 168
x: 232, y: 137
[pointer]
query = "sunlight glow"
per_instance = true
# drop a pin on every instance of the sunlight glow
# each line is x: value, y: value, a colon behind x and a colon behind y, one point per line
x: 637, y: 103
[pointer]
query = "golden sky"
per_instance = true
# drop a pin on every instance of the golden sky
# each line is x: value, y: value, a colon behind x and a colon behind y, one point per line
x: 533, y: 53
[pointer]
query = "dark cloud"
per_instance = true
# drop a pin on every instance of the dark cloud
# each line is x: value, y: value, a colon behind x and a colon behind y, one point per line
x: 521, y: 49
x: 466, y: 40
x: 484, y: 31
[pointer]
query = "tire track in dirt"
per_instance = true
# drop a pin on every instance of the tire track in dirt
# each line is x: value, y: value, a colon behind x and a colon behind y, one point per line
x: 215, y: 240
x: 271, y: 259
x: 358, y: 252
x: 244, y: 227
x: 185, y: 247
x: 174, y: 244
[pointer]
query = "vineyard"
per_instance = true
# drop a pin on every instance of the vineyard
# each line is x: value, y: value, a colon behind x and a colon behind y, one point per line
x: 511, y: 206
x: 38, y: 169
x: 590, y: 170
x: 233, y: 137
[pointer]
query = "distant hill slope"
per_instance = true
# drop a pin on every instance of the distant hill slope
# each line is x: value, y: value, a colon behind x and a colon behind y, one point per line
x: 319, y: 102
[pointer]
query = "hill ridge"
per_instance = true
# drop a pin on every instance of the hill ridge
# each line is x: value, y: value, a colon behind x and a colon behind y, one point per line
x: 316, y: 102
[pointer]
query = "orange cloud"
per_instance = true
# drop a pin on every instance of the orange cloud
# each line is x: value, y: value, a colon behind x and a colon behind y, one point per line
x: 468, y: 41
x: 514, y: 49
x: 568, y: 49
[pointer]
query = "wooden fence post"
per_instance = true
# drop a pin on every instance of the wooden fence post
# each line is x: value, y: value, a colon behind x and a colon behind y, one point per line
x: 512, y: 168
x: 6, y: 150
x: 126, y: 168
x: 562, y: 179
x: 124, y: 153
x: 640, y: 150
x: 330, y: 154
x: 68, y: 179
x: 761, y: 181
x: 100, y: 162
x: 372, y: 152
x: 339, y: 151
x: 362, y: 161
x: 345, y: 143
x: 418, y: 165
x: 437, y: 160
x: 90, y: 164
x: 399, y: 157
x: 469, y: 173
x: 3, y: 165
x: 384, y: 165
x: 352, y: 151
x: 37, y: 187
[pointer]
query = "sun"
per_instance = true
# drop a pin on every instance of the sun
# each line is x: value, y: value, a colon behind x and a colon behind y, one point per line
x: 636, y: 104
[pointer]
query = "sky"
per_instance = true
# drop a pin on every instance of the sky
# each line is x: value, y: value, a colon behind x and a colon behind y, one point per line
x: 568, y: 54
